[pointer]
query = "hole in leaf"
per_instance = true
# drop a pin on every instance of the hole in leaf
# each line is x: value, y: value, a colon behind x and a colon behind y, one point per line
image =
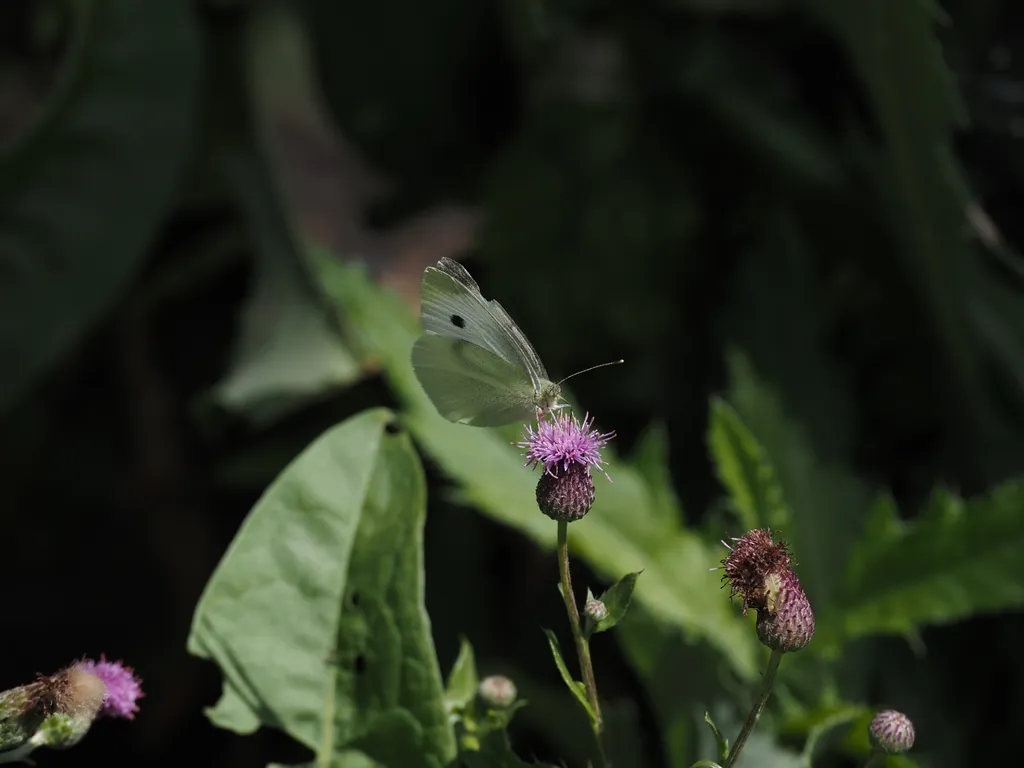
x: 392, y: 428
x: 359, y: 665
x: 458, y: 321
x: 354, y: 598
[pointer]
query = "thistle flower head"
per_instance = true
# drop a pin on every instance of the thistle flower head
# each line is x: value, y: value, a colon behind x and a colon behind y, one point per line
x: 52, y: 711
x: 759, y: 570
x: 567, y: 449
x: 562, y: 441
x: 891, y: 731
x: 497, y: 691
x: 124, y: 687
x: 751, y: 559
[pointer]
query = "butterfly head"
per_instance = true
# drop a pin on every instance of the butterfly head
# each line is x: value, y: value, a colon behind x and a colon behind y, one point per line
x: 548, y: 399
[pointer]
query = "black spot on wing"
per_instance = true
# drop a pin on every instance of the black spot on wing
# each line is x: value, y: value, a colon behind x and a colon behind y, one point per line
x: 458, y: 321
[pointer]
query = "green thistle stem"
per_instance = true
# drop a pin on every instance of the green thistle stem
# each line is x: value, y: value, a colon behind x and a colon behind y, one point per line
x: 582, y: 644
x: 758, y: 708
x: 875, y: 759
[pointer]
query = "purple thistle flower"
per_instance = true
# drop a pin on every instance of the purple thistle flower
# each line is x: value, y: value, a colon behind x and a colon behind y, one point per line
x: 564, y: 441
x: 567, y: 449
x: 125, y: 689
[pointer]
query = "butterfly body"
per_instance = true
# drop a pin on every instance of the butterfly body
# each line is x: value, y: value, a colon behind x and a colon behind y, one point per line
x: 472, y: 360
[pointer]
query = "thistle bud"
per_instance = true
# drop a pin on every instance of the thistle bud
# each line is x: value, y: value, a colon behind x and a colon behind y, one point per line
x: 497, y: 691
x: 787, y: 622
x: 80, y: 696
x: 891, y: 732
x: 568, y: 450
x: 566, y: 495
x: 595, y: 610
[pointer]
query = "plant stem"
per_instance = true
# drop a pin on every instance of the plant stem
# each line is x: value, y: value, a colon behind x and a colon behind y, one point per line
x: 875, y: 759
x: 582, y: 644
x: 758, y: 708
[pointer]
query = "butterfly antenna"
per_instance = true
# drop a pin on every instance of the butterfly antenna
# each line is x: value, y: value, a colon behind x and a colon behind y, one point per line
x: 591, y: 368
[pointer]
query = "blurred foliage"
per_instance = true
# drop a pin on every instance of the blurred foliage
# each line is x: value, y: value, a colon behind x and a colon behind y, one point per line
x: 795, y: 219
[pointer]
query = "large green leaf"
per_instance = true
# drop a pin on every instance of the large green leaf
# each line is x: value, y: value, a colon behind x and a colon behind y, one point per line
x: 959, y: 559
x: 629, y: 529
x: 82, y: 196
x: 315, y: 614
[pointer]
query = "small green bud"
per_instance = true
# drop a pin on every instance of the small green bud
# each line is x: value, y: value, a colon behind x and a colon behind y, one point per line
x: 891, y: 732
x: 595, y: 610
x: 497, y: 691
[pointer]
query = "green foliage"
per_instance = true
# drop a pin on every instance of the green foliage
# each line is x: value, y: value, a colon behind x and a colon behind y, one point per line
x: 315, y: 614
x: 77, y: 217
x: 616, y: 599
x: 767, y: 207
x: 574, y: 685
x: 720, y: 740
x: 958, y: 559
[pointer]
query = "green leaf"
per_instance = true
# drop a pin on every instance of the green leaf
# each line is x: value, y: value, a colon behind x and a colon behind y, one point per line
x: 577, y: 688
x: 462, y: 680
x: 288, y: 351
x: 745, y: 471
x: 315, y: 614
x: 73, y: 231
x: 959, y: 559
x: 720, y: 740
x: 827, y: 500
x: 616, y: 599
x: 628, y: 527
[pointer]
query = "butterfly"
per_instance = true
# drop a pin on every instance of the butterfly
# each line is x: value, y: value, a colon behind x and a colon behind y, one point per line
x: 472, y: 360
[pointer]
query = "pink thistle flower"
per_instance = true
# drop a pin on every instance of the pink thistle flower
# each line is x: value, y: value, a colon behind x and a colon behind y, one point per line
x: 567, y: 449
x: 563, y: 441
x: 125, y: 689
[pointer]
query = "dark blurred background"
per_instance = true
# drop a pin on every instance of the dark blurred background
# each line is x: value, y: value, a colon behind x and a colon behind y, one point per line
x: 831, y: 186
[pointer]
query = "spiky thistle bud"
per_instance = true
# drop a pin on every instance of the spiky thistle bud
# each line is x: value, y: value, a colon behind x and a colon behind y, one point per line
x: 759, y: 570
x: 891, y: 732
x: 787, y: 622
x: 595, y: 610
x: 567, y: 449
x: 497, y: 691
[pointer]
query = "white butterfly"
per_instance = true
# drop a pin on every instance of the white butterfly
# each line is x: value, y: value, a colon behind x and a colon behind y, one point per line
x: 472, y: 360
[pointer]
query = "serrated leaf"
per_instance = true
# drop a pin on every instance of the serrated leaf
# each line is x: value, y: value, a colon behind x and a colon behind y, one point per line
x: 577, y: 688
x: 616, y: 599
x: 959, y: 559
x: 744, y: 469
x: 720, y: 740
x: 462, y: 680
x: 826, y: 499
x: 624, y: 530
x: 315, y: 614
x: 73, y: 233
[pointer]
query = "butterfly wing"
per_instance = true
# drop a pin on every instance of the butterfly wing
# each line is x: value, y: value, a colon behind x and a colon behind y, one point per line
x: 471, y: 385
x: 452, y: 305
